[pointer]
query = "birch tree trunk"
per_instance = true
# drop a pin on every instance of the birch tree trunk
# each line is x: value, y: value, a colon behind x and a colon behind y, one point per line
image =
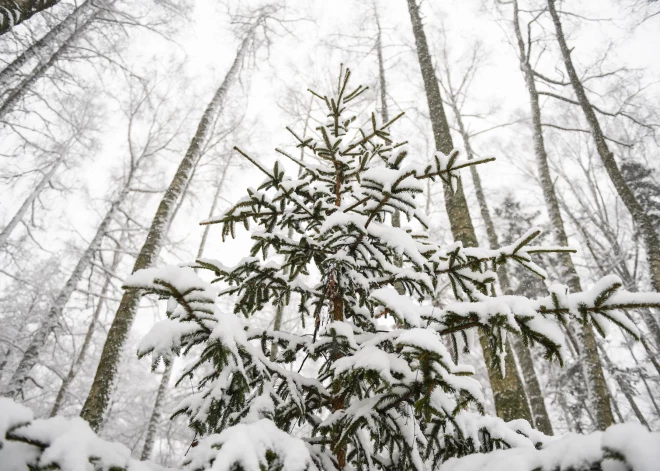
x: 508, y: 391
x: 20, y: 214
x: 595, y: 380
x: 75, y: 367
x: 38, y: 339
x: 99, y: 395
x: 156, y: 413
x: 14, y: 12
x: 38, y: 49
x: 40, y: 69
x: 641, y: 219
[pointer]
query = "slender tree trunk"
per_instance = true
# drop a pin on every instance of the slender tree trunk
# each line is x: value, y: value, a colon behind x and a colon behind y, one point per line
x: 396, y: 217
x: 541, y: 418
x: 38, y: 339
x: 638, y: 214
x: 595, y: 380
x: 156, y: 413
x: 508, y: 391
x: 40, y: 69
x: 14, y: 12
x: 20, y: 214
x: 75, y: 367
x: 38, y: 49
x: 97, y: 401
x: 623, y: 388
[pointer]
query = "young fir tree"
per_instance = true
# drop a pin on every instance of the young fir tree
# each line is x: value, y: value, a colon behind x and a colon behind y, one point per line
x: 375, y: 393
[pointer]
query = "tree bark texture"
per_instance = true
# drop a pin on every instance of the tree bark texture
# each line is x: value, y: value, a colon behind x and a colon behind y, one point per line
x: 509, y: 393
x: 596, y: 386
x: 99, y: 395
x: 639, y: 216
x: 156, y: 413
x: 14, y: 12
x: 540, y: 416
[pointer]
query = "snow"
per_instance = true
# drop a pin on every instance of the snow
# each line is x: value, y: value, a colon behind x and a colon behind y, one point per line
x: 402, y: 306
x: 373, y: 358
x: 68, y: 444
x: 246, y: 446
x: 639, y: 447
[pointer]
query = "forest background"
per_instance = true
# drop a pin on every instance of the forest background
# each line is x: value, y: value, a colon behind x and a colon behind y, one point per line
x: 124, y: 98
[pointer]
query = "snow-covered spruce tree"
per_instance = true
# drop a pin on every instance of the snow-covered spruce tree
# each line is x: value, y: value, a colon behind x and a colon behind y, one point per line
x: 381, y: 393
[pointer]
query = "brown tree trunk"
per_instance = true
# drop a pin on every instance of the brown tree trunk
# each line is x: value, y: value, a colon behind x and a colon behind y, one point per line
x: 14, y: 12
x: 641, y: 219
x: 509, y: 393
x: 541, y: 418
x: 99, y: 395
x: 595, y: 380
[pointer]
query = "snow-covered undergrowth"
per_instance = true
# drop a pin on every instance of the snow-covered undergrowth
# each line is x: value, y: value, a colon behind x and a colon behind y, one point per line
x: 69, y: 444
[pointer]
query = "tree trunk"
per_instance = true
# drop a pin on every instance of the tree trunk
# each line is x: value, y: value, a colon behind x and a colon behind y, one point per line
x: 18, y: 217
x: 156, y: 413
x: 509, y: 393
x: 47, y: 41
x: 106, y: 372
x: 638, y: 214
x: 40, y: 69
x: 623, y: 388
x: 541, y: 418
x: 595, y: 380
x: 14, y: 12
x: 39, y: 338
x: 75, y: 367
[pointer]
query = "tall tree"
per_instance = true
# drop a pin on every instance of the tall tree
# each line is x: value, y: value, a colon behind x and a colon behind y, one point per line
x: 97, y: 401
x: 456, y: 99
x: 596, y: 385
x: 508, y: 391
x: 641, y: 218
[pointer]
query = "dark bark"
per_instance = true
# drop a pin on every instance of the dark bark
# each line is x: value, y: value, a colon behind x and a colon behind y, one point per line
x: 509, y: 393
x: 595, y: 380
x: 14, y: 12
x: 640, y: 217
x: 99, y: 395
